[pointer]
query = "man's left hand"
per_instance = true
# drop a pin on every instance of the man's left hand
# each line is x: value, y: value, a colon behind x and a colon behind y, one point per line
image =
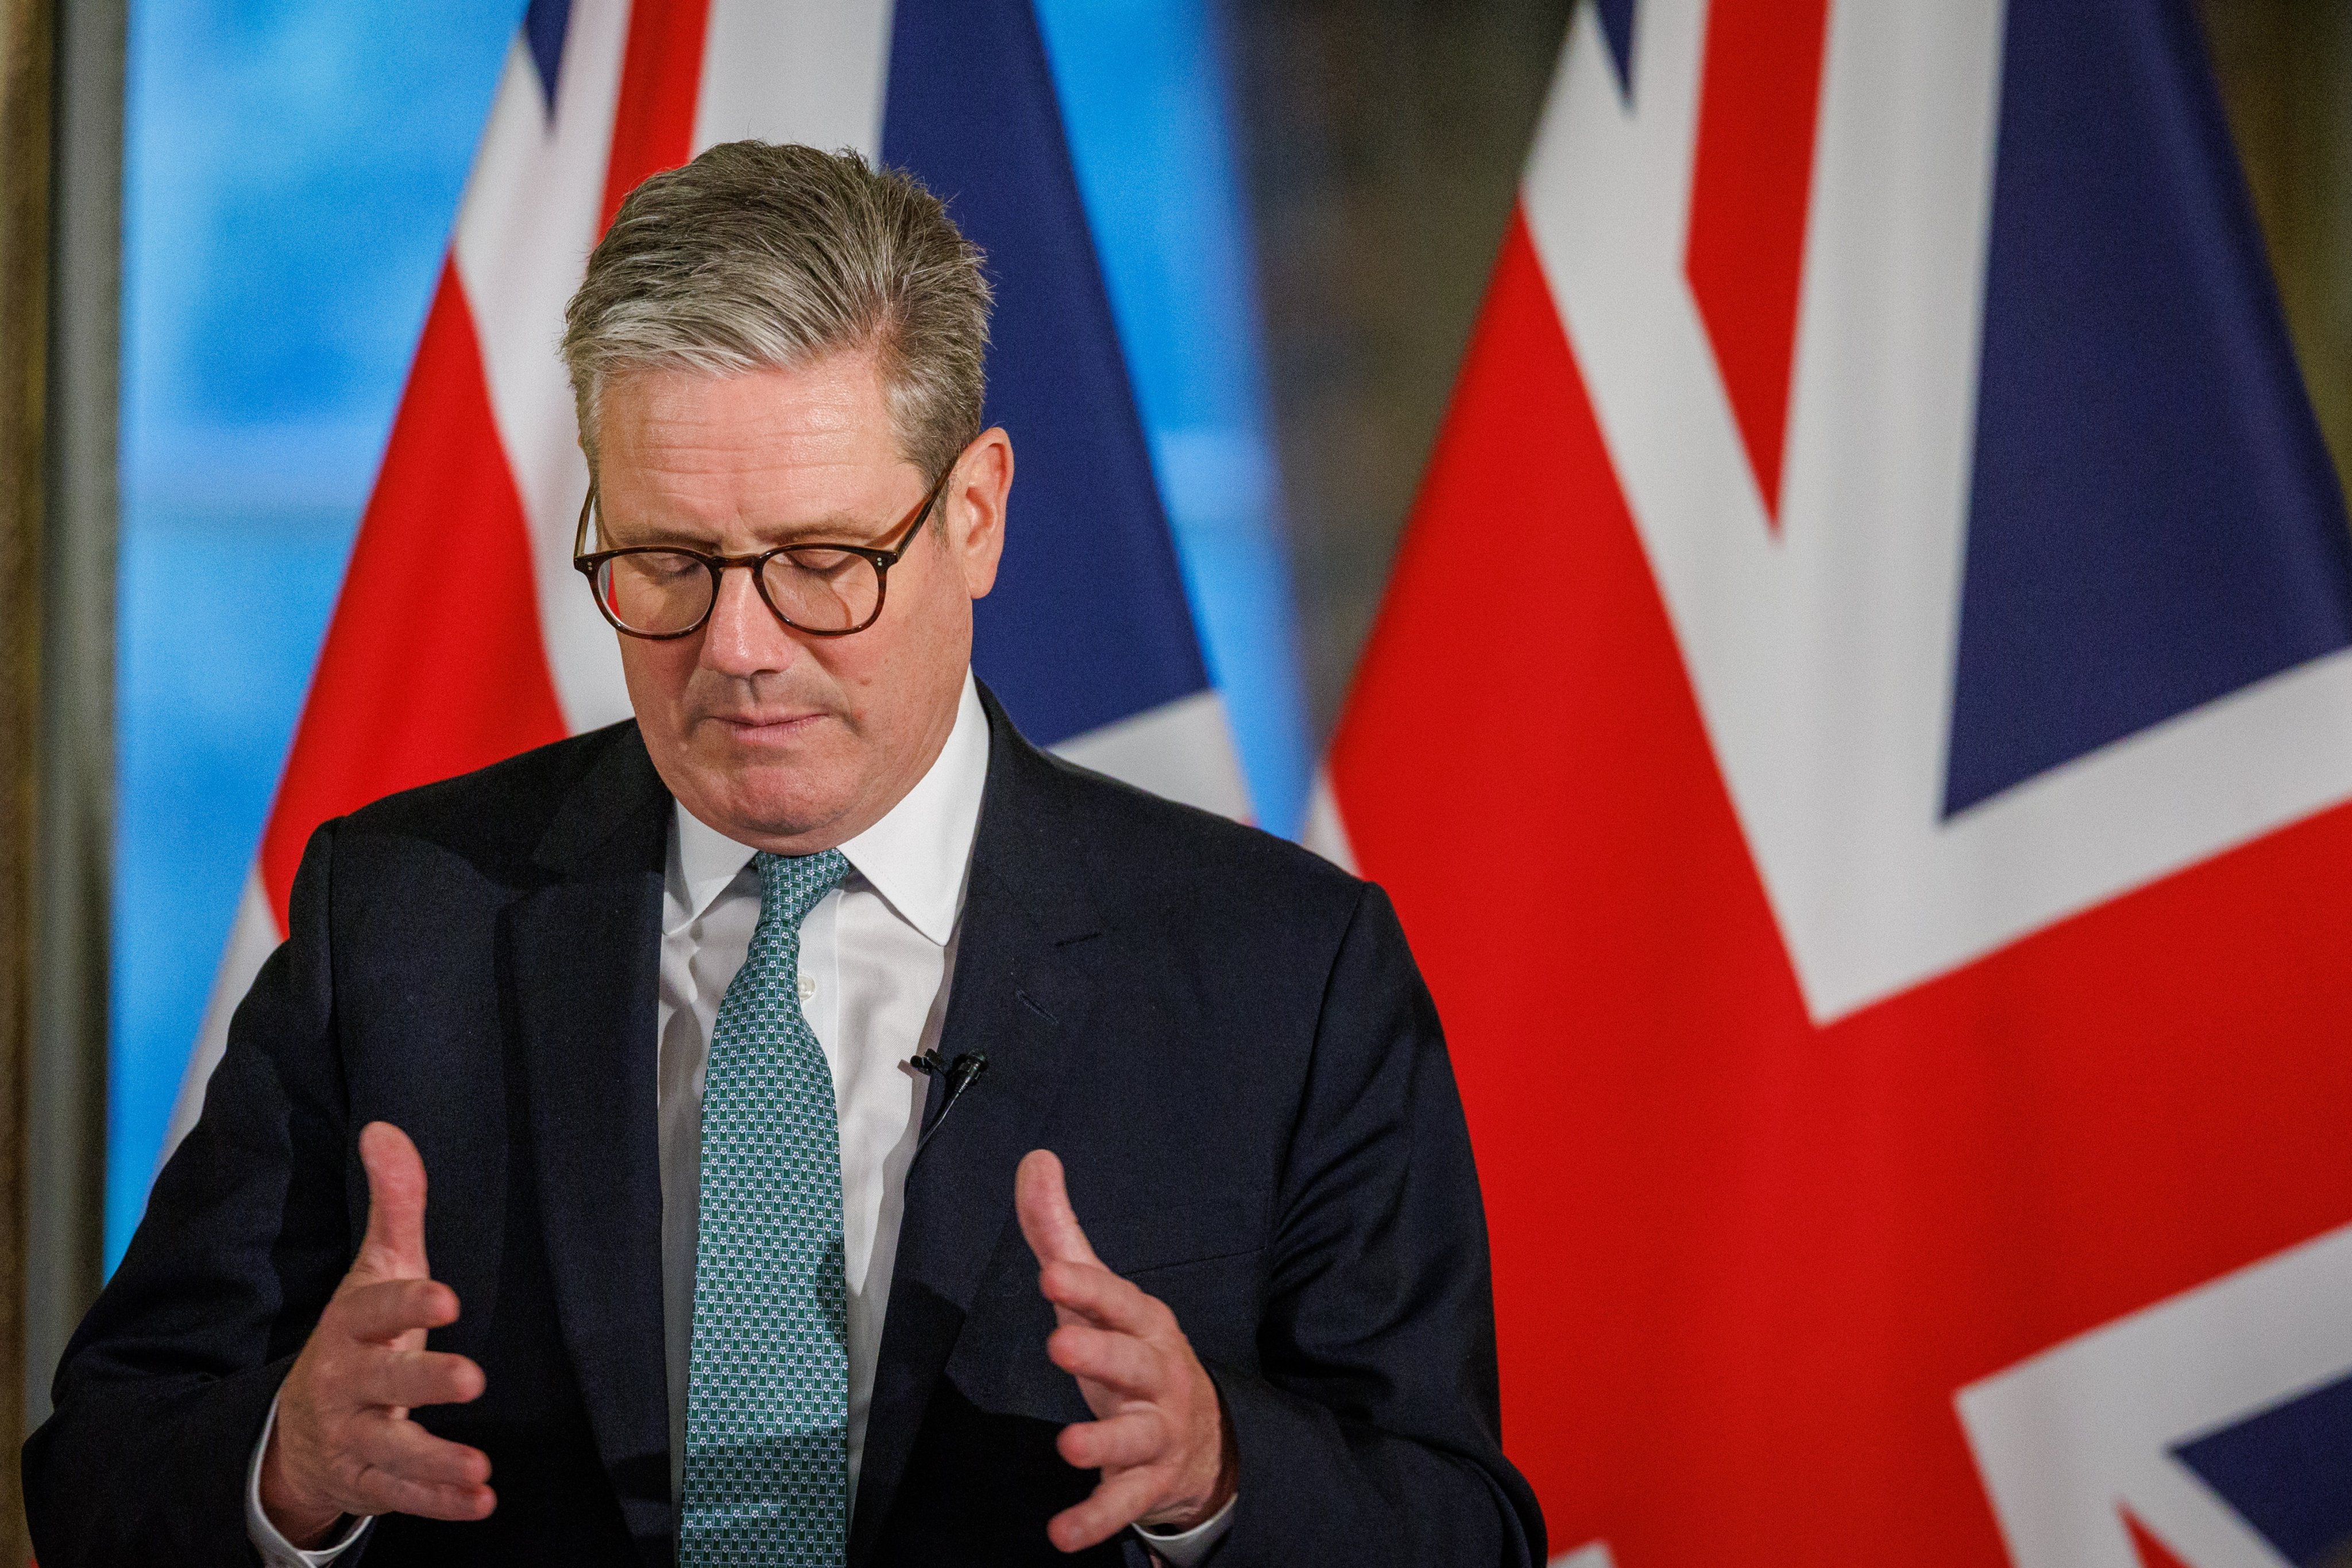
x: 1159, y: 1436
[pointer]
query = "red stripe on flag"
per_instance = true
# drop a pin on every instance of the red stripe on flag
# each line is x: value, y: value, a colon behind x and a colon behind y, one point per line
x: 2153, y: 1553
x: 433, y: 664
x: 1742, y: 1265
x: 661, y: 76
x: 1749, y: 195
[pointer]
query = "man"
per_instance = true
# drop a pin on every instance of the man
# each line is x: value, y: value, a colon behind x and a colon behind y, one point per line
x: 734, y: 1041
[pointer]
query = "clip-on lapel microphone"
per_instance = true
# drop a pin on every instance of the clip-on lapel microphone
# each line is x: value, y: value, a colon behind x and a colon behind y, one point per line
x: 961, y: 1073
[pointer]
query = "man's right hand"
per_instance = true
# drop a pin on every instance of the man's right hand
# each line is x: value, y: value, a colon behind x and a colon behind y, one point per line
x: 343, y: 1443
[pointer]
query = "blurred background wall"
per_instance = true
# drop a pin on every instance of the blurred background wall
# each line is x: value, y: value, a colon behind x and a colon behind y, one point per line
x: 1383, y: 141
x: 2285, y: 69
x: 289, y: 173
x: 25, y: 109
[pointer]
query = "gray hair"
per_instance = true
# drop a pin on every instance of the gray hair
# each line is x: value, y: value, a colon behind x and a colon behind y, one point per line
x: 756, y: 256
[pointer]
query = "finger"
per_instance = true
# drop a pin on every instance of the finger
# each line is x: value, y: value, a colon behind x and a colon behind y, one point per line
x: 1119, y: 1501
x: 1042, y: 1202
x: 382, y: 1493
x: 1120, y: 1363
x: 1122, y: 1442
x: 395, y: 1448
x: 411, y: 1378
x: 1102, y: 1297
x: 395, y: 1246
x: 385, y: 1310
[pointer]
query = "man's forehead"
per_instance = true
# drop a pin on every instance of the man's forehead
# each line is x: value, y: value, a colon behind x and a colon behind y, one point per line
x: 809, y: 442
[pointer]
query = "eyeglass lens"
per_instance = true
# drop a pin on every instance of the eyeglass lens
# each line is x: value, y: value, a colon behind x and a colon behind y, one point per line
x: 662, y: 593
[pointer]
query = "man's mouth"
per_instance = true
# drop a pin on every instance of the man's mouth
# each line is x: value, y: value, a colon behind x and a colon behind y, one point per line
x: 762, y: 728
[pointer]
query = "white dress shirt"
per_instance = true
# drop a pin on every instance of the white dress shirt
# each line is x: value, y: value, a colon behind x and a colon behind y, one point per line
x: 877, y: 957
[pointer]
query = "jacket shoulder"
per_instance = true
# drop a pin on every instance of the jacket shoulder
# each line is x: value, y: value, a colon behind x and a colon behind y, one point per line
x: 1141, y: 841
x: 506, y: 810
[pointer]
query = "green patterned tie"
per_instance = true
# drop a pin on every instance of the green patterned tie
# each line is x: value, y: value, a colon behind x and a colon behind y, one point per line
x: 767, y: 1403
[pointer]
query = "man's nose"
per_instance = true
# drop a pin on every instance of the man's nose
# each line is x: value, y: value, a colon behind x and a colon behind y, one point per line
x: 743, y: 636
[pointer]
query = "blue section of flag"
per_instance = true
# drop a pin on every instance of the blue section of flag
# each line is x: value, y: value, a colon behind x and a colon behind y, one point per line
x: 2154, y: 520
x: 544, y: 27
x: 1088, y: 623
x: 2288, y: 1473
x: 1617, y: 27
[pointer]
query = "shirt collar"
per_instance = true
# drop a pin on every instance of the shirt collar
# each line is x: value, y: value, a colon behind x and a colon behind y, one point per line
x: 915, y: 857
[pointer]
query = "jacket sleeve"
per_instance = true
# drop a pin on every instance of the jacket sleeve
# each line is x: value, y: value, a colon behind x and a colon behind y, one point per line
x: 162, y: 1390
x: 1369, y: 1432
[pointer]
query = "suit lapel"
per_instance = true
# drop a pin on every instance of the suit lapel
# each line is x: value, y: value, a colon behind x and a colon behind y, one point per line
x: 1021, y: 991
x: 584, y: 954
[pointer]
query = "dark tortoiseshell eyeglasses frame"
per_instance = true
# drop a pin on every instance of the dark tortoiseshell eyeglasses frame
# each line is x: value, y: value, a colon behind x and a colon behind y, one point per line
x: 881, y: 557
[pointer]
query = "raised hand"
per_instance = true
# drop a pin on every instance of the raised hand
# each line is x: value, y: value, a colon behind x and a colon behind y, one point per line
x: 1159, y: 1436
x: 343, y: 1443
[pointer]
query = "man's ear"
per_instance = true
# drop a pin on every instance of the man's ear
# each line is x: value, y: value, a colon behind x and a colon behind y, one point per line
x: 974, y: 504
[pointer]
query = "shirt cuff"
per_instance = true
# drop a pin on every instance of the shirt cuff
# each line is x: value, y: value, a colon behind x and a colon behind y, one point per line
x: 1191, y: 1546
x: 274, y: 1549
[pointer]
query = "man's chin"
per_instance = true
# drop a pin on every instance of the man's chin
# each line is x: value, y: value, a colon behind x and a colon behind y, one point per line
x: 769, y: 796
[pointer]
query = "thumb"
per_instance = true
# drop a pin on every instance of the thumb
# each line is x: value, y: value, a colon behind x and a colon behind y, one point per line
x: 395, y: 1245
x: 1042, y: 1202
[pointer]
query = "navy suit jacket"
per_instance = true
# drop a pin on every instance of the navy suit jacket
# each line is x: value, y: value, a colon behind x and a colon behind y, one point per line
x: 1224, y: 1038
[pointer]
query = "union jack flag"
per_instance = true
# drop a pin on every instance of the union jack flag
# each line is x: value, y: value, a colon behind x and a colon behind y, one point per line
x: 1860, y: 737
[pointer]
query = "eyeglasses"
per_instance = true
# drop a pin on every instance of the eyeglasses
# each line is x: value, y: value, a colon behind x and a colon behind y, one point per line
x: 660, y: 592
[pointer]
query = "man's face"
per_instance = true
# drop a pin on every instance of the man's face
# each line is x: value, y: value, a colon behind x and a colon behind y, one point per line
x: 783, y: 741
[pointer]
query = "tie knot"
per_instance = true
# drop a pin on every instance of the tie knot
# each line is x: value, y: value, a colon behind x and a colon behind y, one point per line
x: 791, y: 885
